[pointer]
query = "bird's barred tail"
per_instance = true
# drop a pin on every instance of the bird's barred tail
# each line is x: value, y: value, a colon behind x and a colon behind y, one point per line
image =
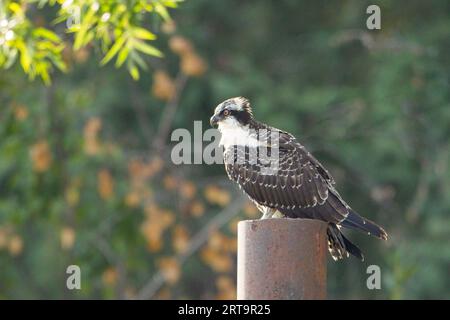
x: 356, y: 222
x: 339, y: 246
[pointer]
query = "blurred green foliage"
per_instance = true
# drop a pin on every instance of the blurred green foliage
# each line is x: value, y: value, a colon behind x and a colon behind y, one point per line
x: 117, y: 28
x: 84, y: 179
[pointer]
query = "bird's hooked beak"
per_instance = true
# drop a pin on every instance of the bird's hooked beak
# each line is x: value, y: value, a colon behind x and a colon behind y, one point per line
x: 214, y: 120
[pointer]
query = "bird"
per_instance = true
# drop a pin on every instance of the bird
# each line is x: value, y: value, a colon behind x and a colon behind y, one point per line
x: 292, y: 184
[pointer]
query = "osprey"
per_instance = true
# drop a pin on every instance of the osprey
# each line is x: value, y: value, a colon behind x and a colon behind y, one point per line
x: 282, y: 178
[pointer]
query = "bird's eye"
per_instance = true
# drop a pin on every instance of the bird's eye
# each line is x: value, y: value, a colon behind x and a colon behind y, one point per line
x: 226, y: 112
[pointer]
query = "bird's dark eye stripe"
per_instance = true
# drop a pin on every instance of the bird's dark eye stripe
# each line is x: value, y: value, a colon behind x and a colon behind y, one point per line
x: 228, y: 112
x: 232, y: 112
x: 241, y: 115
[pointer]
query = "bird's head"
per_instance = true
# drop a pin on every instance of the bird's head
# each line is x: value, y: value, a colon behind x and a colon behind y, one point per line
x: 231, y: 113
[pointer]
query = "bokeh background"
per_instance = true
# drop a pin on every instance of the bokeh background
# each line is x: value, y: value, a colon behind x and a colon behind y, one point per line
x: 85, y: 170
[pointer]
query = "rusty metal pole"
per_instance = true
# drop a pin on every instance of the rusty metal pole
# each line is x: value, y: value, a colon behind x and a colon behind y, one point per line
x: 281, y: 259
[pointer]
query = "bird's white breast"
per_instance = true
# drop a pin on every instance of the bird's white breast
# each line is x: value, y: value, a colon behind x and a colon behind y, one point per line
x: 232, y: 133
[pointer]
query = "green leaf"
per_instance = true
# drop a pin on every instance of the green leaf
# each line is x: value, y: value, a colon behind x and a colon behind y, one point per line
x: 146, y: 48
x: 11, y: 59
x: 171, y: 3
x: 114, y: 49
x: 137, y: 58
x: 25, y: 58
x: 142, y: 33
x: 42, y: 70
x: 79, y: 37
x: 134, y: 71
x: 59, y: 63
x: 15, y: 7
x: 88, y: 38
x: 162, y: 11
x: 46, y: 46
x: 47, y: 34
x: 59, y: 19
x: 123, y: 54
x: 84, y: 34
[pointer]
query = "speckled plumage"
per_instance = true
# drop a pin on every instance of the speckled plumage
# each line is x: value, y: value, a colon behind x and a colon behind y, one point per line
x: 293, y: 183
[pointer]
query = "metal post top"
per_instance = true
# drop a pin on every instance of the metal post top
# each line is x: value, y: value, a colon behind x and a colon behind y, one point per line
x: 282, y: 258
x: 291, y: 222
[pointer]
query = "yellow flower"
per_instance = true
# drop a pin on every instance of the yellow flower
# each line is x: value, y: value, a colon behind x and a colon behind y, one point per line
x: 91, y: 146
x: 188, y: 190
x: 158, y: 220
x: 233, y: 225
x: 169, y: 27
x: 92, y: 127
x: 105, y: 184
x: 151, y: 210
x: 217, y: 195
x: 170, y: 269
x: 91, y: 142
x: 15, y: 245
x: 197, y: 209
x: 193, y: 65
x: 215, y: 240
x: 41, y: 156
x: 109, y: 277
x: 221, y: 243
x: 226, y: 288
x: 132, y: 199
x: 135, y: 168
x: 180, y: 45
x: 152, y: 233
x: 20, y: 112
x: 163, y: 86
x: 167, y: 217
x: 169, y: 182
x: 180, y: 238
x: 67, y: 238
x: 230, y: 244
x: 250, y: 210
x: 154, y: 166
x: 218, y: 261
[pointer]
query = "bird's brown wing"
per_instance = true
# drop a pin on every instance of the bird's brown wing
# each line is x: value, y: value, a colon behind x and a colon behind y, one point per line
x: 295, y: 183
